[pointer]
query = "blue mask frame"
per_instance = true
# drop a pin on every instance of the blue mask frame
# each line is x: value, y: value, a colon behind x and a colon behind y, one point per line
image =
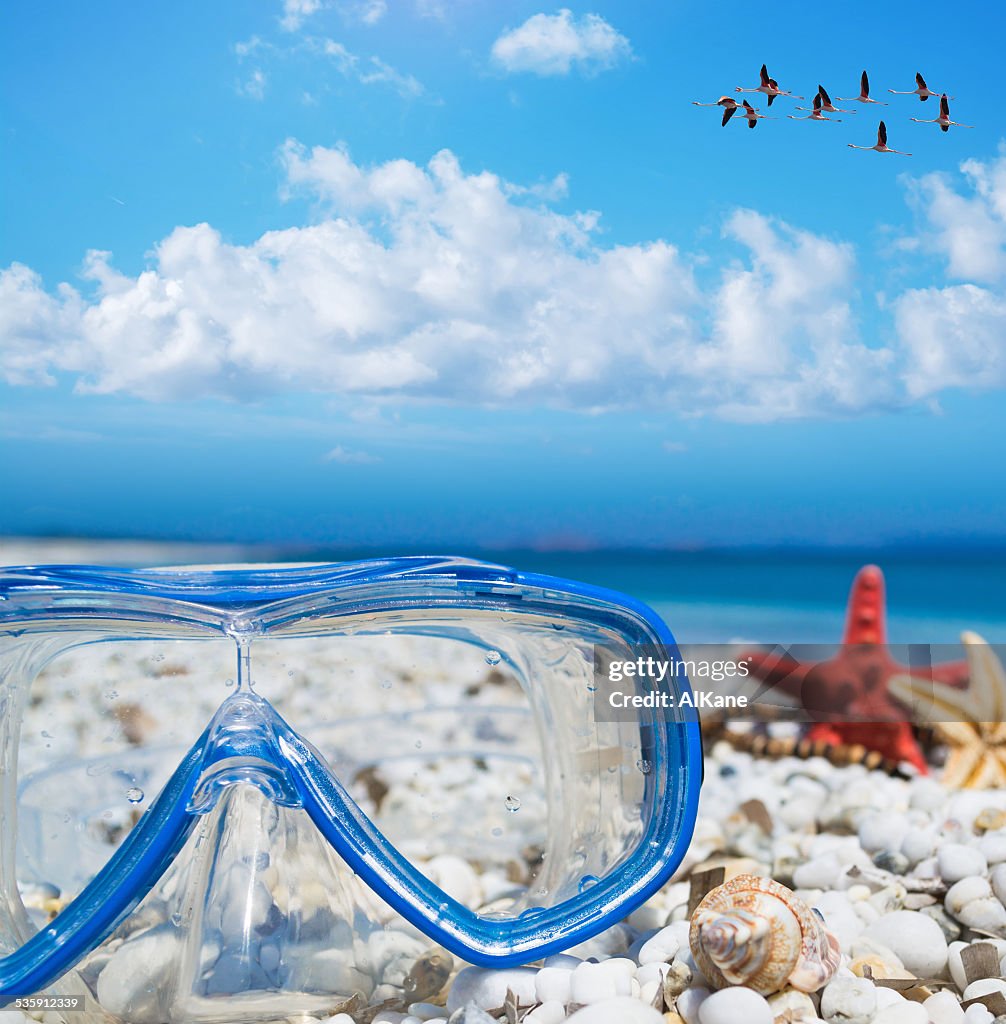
x: 230, y: 600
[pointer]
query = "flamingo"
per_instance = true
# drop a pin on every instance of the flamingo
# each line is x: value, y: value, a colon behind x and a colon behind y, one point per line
x: 816, y: 116
x: 881, y: 146
x: 769, y: 86
x: 944, y: 119
x: 864, y: 94
x: 922, y: 91
x: 752, y: 115
x: 826, y: 104
x: 728, y: 103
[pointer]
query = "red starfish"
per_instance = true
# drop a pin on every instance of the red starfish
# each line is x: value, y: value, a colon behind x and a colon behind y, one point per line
x: 853, y: 683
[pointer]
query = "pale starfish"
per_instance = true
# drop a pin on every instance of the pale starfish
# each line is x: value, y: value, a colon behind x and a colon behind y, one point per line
x: 971, y: 722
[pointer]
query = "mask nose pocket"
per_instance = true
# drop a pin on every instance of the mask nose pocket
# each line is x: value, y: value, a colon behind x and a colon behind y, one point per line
x: 258, y: 917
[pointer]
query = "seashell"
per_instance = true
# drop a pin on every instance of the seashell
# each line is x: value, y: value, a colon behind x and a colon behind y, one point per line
x: 755, y: 932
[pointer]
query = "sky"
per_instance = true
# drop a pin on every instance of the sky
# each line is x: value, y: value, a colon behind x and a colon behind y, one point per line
x: 411, y: 272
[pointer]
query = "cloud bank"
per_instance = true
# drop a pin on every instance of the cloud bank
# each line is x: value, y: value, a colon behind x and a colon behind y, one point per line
x: 430, y: 283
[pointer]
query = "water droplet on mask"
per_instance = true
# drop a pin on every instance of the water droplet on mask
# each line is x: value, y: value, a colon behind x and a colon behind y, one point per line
x: 386, y: 685
x: 134, y: 795
x: 493, y: 657
x: 419, y: 744
x: 497, y: 831
x: 94, y: 770
x: 512, y: 804
x: 176, y: 919
x: 228, y: 682
x: 111, y: 694
x: 588, y: 882
x: 46, y: 735
x: 591, y: 688
x: 644, y: 766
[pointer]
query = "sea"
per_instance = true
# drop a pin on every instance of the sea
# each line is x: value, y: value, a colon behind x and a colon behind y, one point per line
x: 781, y: 596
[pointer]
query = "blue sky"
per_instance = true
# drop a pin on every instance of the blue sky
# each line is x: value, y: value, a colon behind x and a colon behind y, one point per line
x: 472, y: 273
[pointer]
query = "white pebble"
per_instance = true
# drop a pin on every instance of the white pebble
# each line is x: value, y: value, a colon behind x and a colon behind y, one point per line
x: 978, y: 1014
x: 849, y: 999
x: 592, y: 983
x: 487, y: 989
x: 689, y: 1002
x: 621, y: 1010
x: 961, y: 893
x: 918, y: 844
x: 426, y: 1011
x: 730, y: 1005
x: 646, y: 973
x: 550, y: 1012
x: 551, y: 984
x: 956, y: 965
x: 660, y: 948
x: 943, y: 1008
x: 957, y: 861
x: 984, y: 987
x: 915, y: 938
x: 17, y: 1017
x: 998, y: 879
x: 987, y: 915
x: 881, y: 831
x: 903, y: 1013
x: 993, y: 847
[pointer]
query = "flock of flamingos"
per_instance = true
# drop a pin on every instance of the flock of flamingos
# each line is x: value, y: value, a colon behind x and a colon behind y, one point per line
x: 822, y: 103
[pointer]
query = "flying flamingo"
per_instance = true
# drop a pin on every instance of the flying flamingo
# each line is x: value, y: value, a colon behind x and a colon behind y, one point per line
x: 923, y: 91
x: 816, y: 116
x: 944, y: 119
x: 769, y: 86
x: 826, y: 104
x: 728, y: 103
x: 881, y: 146
x: 752, y: 115
x: 864, y: 94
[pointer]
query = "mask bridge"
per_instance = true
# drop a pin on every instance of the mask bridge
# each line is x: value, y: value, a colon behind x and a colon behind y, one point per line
x: 242, y: 748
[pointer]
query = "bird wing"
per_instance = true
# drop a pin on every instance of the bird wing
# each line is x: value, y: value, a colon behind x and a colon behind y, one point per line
x: 944, y: 106
x: 920, y: 81
x: 817, y: 104
x: 771, y: 97
x: 727, y: 114
x: 765, y: 80
x: 864, y: 85
x: 748, y: 108
x: 823, y: 95
x: 882, y: 134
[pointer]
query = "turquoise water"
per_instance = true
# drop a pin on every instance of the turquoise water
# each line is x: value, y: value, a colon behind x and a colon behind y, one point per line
x: 794, y: 597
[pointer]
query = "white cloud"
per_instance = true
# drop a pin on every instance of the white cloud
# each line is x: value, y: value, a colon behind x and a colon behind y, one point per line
x: 370, y: 12
x: 430, y: 283
x: 253, y: 86
x: 405, y: 85
x: 956, y: 336
x: 553, y: 44
x: 349, y: 458
x: 295, y: 12
x: 369, y: 71
x: 968, y: 230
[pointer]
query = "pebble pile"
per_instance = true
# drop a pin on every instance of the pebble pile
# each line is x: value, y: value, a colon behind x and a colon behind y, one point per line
x: 907, y: 875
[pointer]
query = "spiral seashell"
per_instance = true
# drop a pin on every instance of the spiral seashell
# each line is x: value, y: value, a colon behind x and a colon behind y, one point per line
x: 755, y: 932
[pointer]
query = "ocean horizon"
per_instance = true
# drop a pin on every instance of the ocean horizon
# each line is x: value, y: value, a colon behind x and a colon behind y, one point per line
x: 791, y: 595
